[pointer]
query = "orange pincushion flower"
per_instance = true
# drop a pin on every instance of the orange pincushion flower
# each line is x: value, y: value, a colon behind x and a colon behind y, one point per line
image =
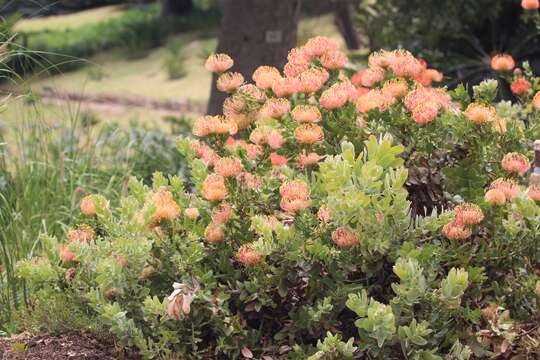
x: 371, y: 77
x: 534, y: 192
x: 428, y: 76
x: 425, y: 103
x: 502, y: 62
x: 309, y: 134
x: 213, y: 233
x: 286, y: 87
x: 296, y: 189
x: 247, y: 255
x: 318, y: 46
x: 228, y: 166
x: 293, y: 205
x: 205, y: 153
x: 455, y: 231
x: 515, y: 163
x: 333, y: 98
x: 66, y: 255
x: 380, y: 59
x: 253, y: 92
x: 425, y: 113
x: 312, y: 80
x: 293, y: 69
x: 395, y: 88
x: 509, y: 187
x: 404, y: 64
x: 248, y: 181
x: 213, y: 188
x: 480, y: 114
x: 274, y: 139
x: 87, y: 205
x: 218, y: 63
x: 229, y: 81
x: 468, y: 214
x: 345, y: 237
x: 373, y: 99
x: 495, y: 197
x: 324, y: 214
x: 306, y: 113
x: 530, y: 4
x: 166, y: 207
x: 218, y: 125
x: 222, y: 214
x: 192, y: 213
x: 274, y: 108
x: 82, y: 233
x: 278, y: 160
x: 265, y: 76
x: 334, y: 59
x: 536, y: 101
x: 233, y: 105
x: 520, y: 86
x: 310, y: 159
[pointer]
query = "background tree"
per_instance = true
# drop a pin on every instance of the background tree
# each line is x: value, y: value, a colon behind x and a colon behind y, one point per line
x: 254, y: 33
x: 175, y: 7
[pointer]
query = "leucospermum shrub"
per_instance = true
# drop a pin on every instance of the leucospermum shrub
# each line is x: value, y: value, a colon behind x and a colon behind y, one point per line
x: 296, y: 239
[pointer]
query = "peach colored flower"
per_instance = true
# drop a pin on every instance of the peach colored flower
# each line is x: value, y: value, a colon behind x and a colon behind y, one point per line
x: 333, y: 98
x: 502, y: 62
x: 428, y: 76
x: 345, y: 237
x: 294, y: 69
x: 205, y: 153
x: 248, y: 256
x: 83, y: 233
x: 218, y: 63
x: 228, y: 166
x: 213, y: 233
x: 396, y: 88
x: 274, y: 139
x: 381, y: 59
x: 293, y: 205
x: 425, y: 103
x: 318, y: 46
x: 371, y: 77
x: 233, y: 105
x: 373, y: 99
x: 468, y: 214
x: 425, y: 113
x: 274, y: 108
x: 530, y: 4
x: 306, y: 113
x: 252, y: 92
x: 534, y: 192
x: 248, y: 181
x: 515, y: 163
x: 278, y: 160
x: 265, y: 76
x: 403, y: 64
x: 210, y: 125
x: 286, y: 87
x: 324, y: 214
x: 87, y: 205
x: 296, y: 189
x: 455, y: 231
x: 309, y: 134
x: 480, y: 114
x: 520, y: 86
x: 165, y: 206
x: 66, y: 255
x: 229, y: 81
x: 334, y: 59
x: 536, y: 101
x: 509, y: 187
x: 222, y: 214
x: 495, y: 197
x: 312, y: 80
x: 192, y: 213
x: 213, y: 188
x: 306, y: 160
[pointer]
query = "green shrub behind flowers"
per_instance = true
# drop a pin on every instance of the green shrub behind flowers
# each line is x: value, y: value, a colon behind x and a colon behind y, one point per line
x: 297, y: 238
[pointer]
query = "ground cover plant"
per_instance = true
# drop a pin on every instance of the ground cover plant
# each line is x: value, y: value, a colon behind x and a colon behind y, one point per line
x: 304, y: 231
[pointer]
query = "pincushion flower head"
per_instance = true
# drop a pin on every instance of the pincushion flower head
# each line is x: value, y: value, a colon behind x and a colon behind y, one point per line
x: 310, y: 159
x: 233, y: 105
x: 218, y: 63
x: 502, y: 62
x: 515, y: 163
x: 309, y: 134
x: 373, y: 99
x: 371, y: 77
x: 456, y: 231
x: 213, y: 125
x: 468, y: 214
x: 530, y: 4
x: 306, y: 114
x: 312, y: 80
x: 179, y: 301
x: 83, y: 233
x: 214, y: 233
x: 165, y: 206
x: 334, y: 59
x: 213, y: 188
x: 534, y: 192
x: 286, y: 87
x: 480, y: 114
x: 425, y: 113
x: 334, y: 97
x: 66, y: 255
x: 253, y: 93
x: 520, y: 86
x: 222, y: 214
x: 495, y: 197
x: 228, y: 166
x: 509, y: 187
x: 396, y: 88
x: 229, y: 81
x: 425, y: 103
x: 318, y: 46
x: 265, y: 76
x: 294, y: 196
x: 345, y: 237
x: 274, y: 108
x: 324, y: 214
x: 405, y: 65
x: 278, y: 160
x: 536, y: 101
x: 248, y: 255
x: 87, y: 205
x: 192, y: 213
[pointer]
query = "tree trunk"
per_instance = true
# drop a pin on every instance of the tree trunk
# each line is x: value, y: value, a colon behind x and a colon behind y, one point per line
x: 343, y: 11
x: 175, y: 7
x: 254, y: 33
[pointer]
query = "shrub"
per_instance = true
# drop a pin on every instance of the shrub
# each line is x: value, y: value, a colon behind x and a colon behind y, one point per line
x: 297, y: 240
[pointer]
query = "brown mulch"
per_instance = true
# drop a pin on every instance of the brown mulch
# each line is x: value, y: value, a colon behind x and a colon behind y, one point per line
x: 81, y: 346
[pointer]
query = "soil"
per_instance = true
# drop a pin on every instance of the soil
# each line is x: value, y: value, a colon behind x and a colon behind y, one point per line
x: 79, y: 346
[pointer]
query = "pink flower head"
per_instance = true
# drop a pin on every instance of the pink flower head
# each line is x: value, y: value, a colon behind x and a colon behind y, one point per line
x: 324, y: 214
x: 312, y: 80
x: 286, y: 87
x: 373, y: 99
x: 403, y: 64
x: 509, y: 187
x: 534, y: 192
x: 296, y: 189
x: 309, y: 134
x: 334, y: 97
x: 278, y: 160
x: 306, y: 160
x: 165, y: 206
x: 468, y: 214
x: 502, y: 62
x: 192, y: 213
x: 396, y: 88
x: 275, y: 108
x: 425, y: 113
x: 66, y: 255
x: 233, y: 105
x: 87, y: 205
x: 274, y: 139
x: 253, y: 92
x: 334, y: 59
x: 381, y: 59
x: 214, y: 233
x: 371, y: 77
x: 265, y: 76
x: 218, y: 63
x: 213, y: 188
x: 515, y: 163
x: 229, y: 81
x: 228, y: 166
x: 83, y: 233
x: 495, y: 197
x: 318, y: 46
x: 520, y: 86
x: 306, y: 113
x: 480, y: 114
x: 530, y: 4
x: 247, y: 255
x: 222, y: 214
x: 456, y: 231
x: 345, y: 237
